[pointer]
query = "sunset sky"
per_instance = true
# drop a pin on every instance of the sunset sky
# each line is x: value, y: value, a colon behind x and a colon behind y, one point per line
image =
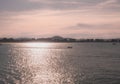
x: 67, y: 18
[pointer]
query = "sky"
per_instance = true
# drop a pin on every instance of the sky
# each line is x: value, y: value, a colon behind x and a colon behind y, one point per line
x: 67, y: 18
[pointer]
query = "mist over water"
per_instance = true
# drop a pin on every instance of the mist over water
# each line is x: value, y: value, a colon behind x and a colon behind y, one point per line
x: 55, y: 63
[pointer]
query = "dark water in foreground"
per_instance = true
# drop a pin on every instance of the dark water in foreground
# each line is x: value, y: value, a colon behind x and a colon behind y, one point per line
x: 54, y: 63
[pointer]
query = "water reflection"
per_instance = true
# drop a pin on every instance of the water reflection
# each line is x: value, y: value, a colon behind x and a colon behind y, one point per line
x: 45, y: 65
x: 42, y: 66
x: 35, y: 45
x: 40, y: 63
x: 54, y: 63
x: 34, y: 63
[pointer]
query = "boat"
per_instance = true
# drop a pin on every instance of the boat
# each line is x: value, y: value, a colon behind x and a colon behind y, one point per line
x: 69, y: 47
x: 113, y: 43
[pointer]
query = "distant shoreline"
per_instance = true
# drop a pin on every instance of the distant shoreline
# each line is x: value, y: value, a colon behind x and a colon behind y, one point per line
x: 55, y: 42
x: 57, y: 39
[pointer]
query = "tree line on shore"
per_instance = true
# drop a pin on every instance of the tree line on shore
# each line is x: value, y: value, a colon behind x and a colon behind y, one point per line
x: 56, y: 39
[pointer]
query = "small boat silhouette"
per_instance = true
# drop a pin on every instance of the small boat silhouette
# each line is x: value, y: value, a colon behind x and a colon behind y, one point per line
x: 113, y: 43
x: 69, y: 47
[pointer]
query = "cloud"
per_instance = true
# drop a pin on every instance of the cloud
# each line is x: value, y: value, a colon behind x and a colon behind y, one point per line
x: 104, y: 30
x: 109, y: 6
x: 23, y: 5
x: 103, y: 26
x: 86, y: 35
x: 18, y: 5
x: 63, y: 17
x: 109, y: 3
x: 84, y: 25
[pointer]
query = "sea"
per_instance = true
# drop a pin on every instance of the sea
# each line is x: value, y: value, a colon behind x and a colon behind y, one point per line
x: 59, y: 63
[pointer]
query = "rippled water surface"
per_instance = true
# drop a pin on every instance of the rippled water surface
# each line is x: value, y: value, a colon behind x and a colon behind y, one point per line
x: 55, y: 63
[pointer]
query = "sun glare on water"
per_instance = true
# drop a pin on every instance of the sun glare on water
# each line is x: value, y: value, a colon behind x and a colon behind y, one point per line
x: 38, y: 62
x: 37, y: 52
x: 38, y: 45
